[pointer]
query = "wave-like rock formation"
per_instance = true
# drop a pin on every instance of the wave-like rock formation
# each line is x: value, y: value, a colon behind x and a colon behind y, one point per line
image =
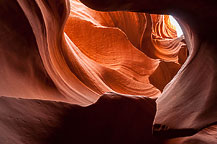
x: 71, y: 74
x: 90, y: 54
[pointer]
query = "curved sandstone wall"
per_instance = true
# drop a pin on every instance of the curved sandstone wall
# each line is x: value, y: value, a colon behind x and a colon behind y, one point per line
x: 96, y: 74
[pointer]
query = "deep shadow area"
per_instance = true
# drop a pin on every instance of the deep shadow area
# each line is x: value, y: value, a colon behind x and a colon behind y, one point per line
x: 114, y: 119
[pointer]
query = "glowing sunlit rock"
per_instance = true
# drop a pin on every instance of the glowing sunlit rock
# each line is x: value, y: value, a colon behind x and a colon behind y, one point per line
x: 77, y: 75
x: 177, y: 26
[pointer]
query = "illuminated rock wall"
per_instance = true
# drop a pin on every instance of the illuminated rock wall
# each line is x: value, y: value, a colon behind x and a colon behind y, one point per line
x: 67, y: 56
x: 95, y: 52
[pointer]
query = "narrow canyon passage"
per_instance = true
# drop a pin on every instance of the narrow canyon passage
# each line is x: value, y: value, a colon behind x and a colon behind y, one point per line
x: 107, y: 72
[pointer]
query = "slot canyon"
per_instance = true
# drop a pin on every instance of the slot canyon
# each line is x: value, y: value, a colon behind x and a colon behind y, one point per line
x: 108, y: 72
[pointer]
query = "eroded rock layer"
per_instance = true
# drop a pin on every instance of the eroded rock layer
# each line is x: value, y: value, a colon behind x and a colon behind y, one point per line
x: 112, y: 119
x: 188, y: 103
x: 67, y: 55
x: 98, y: 52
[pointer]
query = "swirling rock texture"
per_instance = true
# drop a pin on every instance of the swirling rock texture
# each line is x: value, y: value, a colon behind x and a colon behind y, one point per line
x: 70, y: 74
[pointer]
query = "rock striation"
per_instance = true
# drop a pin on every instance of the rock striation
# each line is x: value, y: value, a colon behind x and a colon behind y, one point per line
x: 113, y: 71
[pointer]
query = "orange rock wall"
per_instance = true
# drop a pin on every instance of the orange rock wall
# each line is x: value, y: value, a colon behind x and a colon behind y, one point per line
x: 71, y: 53
x: 59, y: 50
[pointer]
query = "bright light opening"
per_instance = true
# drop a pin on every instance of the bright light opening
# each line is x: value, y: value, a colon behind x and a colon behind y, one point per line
x: 176, y: 25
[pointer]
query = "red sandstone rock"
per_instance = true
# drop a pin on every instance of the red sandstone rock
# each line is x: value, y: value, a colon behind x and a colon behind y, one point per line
x: 63, y: 51
x: 114, y: 118
x: 188, y: 103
